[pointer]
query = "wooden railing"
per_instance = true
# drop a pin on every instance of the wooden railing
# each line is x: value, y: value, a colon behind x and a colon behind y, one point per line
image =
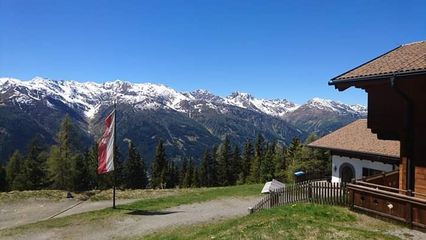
x: 321, y: 192
x: 390, y: 179
x: 388, y: 202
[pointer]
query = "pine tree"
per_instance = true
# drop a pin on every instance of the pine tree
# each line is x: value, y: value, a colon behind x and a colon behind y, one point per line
x: 35, y: 167
x: 159, y: 167
x: 172, y: 178
x: 134, y: 169
x: 247, y: 159
x: 257, y: 160
x: 235, y: 166
x: 280, y: 164
x: 187, y: 181
x: 60, y: 161
x: 204, y: 173
x: 224, y: 175
x: 267, y: 165
x: 195, y: 177
x: 213, y: 168
x: 3, y: 182
x: 81, y: 173
x: 91, y: 166
x: 293, y: 156
x: 13, y: 169
x: 183, y: 172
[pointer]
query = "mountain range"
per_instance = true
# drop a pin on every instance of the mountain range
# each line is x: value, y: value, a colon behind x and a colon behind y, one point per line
x: 188, y: 122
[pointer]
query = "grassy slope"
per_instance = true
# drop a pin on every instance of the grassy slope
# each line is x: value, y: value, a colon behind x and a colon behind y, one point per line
x: 184, y: 196
x: 298, y: 221
x: 94, y: 195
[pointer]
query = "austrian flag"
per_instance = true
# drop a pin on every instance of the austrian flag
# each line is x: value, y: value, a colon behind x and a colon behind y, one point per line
x: 106, y: 146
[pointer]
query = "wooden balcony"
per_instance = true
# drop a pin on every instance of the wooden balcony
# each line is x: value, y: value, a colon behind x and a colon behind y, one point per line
x: 389, y: 179
x: 389, y: 202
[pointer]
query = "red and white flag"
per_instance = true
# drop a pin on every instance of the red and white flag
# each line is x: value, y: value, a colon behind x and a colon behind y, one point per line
x: 106, y: 146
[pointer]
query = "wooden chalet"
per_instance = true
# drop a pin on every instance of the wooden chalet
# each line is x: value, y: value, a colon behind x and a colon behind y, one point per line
x: 396, y: 87
x: 357, y: 153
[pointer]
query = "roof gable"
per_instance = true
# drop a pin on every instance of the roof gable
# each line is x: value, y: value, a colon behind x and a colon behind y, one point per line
x: 408, y: 58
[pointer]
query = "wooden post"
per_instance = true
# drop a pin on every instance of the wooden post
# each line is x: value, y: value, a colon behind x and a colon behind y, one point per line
x: 250, y: 209
x: 409, y: 207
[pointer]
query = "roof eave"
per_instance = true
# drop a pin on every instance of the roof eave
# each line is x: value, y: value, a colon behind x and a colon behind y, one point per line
x: 396, y: 158
x: 352, y: 81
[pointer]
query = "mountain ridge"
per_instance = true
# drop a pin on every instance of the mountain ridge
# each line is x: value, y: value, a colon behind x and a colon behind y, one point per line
x: 71, y: 92
x: 189, y: 122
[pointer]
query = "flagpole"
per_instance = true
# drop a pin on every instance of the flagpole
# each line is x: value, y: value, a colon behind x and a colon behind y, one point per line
x: 114, y: 157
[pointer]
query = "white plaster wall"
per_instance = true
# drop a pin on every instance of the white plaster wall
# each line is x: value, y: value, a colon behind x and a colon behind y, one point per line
x: 358, y: 164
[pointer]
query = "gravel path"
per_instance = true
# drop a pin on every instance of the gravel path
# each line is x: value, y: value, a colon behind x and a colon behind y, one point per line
x: 29, y: 211
x: 32, y: 210
x: 141, y: 223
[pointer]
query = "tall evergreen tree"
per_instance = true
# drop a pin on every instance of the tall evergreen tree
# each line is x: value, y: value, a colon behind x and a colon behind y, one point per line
x: 13, y: 169
x: 3, y: 182
x: 247, y: 159
x: 204, y: 169
x: 213, y: 168
x: 187, y: 181
x: 134, y: 169
x: 280, y: 164
x: 224, y: 165
x: 235, y: 166
x: 91, y: 160
x: 293, y: 156
x: 159, y: 167
x: 195, y: 177
x: 172, y: 176
x: 81, y: 173
x: 60, y: 161
x: 267, y: 165
x: 35, y: 166
x: 257, y: 161
x: 183, y: 172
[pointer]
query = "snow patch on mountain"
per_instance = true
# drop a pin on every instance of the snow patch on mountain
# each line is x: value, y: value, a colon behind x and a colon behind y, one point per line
x: 276, y: 107
x: 88, y: 97
x: 335, y: 106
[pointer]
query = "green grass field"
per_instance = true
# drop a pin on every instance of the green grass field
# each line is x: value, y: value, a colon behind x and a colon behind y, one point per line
x: 298, y: 221
x: 180, y: 197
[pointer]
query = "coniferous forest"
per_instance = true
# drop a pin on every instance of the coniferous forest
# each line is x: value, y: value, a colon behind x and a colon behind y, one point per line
x: 69, y: 166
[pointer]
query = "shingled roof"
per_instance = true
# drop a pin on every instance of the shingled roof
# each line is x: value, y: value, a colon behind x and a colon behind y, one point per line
x: 357, y: 138
x: 405, y: 59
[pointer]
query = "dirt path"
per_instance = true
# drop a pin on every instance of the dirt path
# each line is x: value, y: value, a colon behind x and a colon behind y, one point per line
x: 140, y: 223
x: 30, y: 211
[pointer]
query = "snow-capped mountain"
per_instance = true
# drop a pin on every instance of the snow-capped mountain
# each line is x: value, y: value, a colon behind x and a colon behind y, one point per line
x: 189, y: 122
x: 330, y: 105
x: 87, y: 97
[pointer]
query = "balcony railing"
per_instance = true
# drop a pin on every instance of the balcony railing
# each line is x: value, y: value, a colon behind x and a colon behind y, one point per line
x: 389, y: 202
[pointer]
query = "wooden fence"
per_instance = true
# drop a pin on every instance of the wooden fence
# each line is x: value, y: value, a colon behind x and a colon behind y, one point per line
x: 320, y: 192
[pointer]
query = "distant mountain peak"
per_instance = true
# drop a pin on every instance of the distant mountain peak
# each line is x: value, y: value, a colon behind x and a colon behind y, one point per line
x: 88, y: 96
x: 241, y: 95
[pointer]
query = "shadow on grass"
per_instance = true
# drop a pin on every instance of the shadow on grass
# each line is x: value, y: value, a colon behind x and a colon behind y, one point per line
x: 151, y: 213
x: 133, y: 211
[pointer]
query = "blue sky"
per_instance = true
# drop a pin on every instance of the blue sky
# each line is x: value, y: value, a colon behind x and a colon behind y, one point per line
x: 272, y: 49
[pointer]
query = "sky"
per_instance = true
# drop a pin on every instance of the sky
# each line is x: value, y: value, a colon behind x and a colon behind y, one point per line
x: 271, y: 49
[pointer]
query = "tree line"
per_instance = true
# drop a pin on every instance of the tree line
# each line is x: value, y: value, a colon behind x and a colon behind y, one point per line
x: 65, y: 166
